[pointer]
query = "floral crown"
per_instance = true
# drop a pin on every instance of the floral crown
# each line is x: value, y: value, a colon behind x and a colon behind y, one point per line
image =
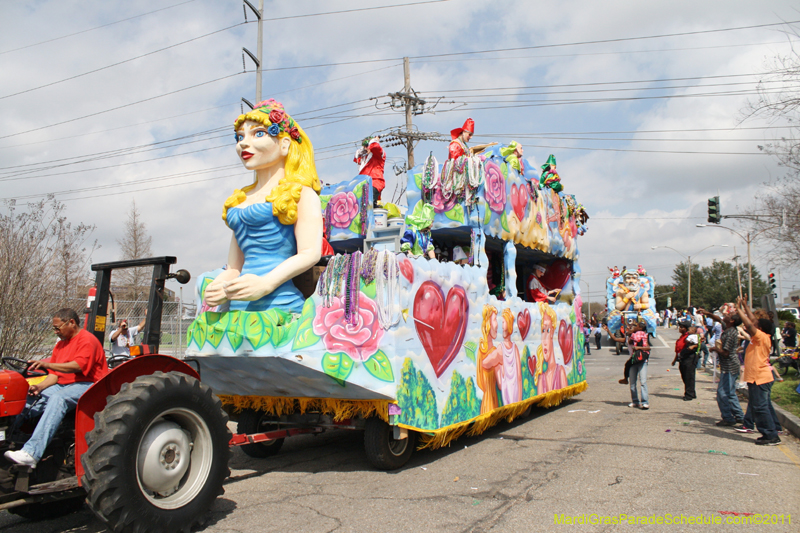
x: 276, y: 120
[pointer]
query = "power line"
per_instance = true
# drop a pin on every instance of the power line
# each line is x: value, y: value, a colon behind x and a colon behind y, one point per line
x: 123, y: 106
x: 582, y: 54
x: 94, y: 28
x: 120, y: 62
x: 194, y: 112
x: 355, y: 10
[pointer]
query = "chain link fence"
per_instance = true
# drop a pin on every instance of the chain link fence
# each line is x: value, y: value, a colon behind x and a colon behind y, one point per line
x: 175, y: 319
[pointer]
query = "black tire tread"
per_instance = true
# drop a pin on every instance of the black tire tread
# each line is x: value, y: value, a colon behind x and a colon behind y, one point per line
x: 376, y: 444
x: 248, y: 423
x: 103, y: 461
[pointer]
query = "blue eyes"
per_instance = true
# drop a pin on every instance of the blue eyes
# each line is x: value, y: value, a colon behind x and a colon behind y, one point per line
x: 239, y: 137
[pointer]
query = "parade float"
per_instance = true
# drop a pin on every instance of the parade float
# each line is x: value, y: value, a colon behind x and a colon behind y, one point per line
x: 466, y: 314
x: 630, y: 297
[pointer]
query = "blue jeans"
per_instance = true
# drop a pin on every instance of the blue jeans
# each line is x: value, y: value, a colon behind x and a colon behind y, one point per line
x: 727, y: 400
x: 52, y: 405
x: 703, y: 360
x: 760, y: 405
x: 638, y: 372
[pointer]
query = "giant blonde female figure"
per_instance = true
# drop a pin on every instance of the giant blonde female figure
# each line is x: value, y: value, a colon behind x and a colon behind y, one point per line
x: 506, y: 363
x: 276, y: 221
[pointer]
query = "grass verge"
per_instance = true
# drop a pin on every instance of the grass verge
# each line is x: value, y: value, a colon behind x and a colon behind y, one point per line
x: 784, y: 393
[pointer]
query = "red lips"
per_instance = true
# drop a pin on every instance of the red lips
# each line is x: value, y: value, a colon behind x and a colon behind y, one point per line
x: 246, y: 155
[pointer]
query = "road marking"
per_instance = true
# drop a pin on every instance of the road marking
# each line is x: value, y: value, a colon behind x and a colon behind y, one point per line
x: 788, y: 453
x: 663, y: 342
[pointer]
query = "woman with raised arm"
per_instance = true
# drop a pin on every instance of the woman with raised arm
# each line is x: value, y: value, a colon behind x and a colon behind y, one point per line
x: 276, y: 221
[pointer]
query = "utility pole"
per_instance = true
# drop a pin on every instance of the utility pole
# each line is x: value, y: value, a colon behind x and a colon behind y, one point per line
x: 257, y: 57
x: 411, y: 104
x: 738, y: 274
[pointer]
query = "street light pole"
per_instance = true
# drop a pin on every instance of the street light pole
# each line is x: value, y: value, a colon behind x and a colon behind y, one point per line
x: 748, y: 238
x: 588, y: 297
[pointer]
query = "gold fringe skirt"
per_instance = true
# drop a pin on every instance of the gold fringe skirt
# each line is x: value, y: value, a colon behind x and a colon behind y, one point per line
x: 345, y: 409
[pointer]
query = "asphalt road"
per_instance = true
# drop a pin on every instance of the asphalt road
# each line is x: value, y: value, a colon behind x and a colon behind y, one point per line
x: 592, y: 456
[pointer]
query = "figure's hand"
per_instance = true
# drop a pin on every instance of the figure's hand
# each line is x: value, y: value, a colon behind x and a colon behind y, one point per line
x: 248, y: 287
x: 215, y: 293
x: 34, y: 390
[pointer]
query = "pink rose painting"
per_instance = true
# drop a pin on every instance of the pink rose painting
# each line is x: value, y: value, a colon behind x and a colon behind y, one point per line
x: 439, y: 203
x: 495, y: 188
x: 344, y: 208
x: 360, y: 340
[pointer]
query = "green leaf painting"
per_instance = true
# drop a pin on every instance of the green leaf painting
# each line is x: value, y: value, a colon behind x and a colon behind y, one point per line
x: 355, y: 225
x: 254, y: 330
x: 217, y: 325
x: 359, y: 190
x: 203, y: 286
x: 369, y: 290
x: 504, y: 170
x: 305, y: 336
x: 418, y: 181
x: 235, y: 331
x: 324, y: 199
x: 470, y: 348
x: 572, y: 315
x: 338, y: 366
x: 528, y: 387
x: 379, y: 366
x: 487, y: 214
x: 504, y: 221
x: 457, y: 214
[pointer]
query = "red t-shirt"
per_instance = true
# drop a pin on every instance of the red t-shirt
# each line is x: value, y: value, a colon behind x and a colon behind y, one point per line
x: 84, y: 349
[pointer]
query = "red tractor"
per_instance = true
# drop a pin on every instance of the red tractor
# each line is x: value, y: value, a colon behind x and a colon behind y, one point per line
x: 147, y: 447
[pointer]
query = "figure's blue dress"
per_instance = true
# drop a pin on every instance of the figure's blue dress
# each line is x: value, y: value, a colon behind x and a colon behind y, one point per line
x: 265, y: 243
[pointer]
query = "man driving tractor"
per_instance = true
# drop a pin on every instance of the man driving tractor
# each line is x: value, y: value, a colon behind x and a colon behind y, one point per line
x: 78, y: 361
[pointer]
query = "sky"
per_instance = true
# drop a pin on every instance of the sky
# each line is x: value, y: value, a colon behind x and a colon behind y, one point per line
x: 644, y: 105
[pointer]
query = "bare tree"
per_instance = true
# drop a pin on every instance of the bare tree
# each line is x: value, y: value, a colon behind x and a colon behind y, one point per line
x: 135, y: 244
x: 42, y: 257
x: 776, y: 212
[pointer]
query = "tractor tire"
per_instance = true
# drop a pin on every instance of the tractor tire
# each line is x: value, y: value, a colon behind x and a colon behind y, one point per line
x: 383, y: 451
x: 158, y: 455
x: 252, y: 421
x: 48, y: 510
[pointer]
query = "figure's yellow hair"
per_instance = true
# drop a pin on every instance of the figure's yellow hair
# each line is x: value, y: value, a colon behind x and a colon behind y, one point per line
x: 544, y: 308
x: 299, y: 169
x: 508, y: 317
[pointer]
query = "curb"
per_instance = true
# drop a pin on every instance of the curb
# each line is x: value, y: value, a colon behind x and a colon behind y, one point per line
x: 789, y: 422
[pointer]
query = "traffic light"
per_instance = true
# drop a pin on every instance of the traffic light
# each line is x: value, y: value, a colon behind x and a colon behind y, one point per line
x: 771, y: 281
x: 714, y: 213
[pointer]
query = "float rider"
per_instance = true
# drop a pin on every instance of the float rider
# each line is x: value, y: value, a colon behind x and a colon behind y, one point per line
x: 460, y: 137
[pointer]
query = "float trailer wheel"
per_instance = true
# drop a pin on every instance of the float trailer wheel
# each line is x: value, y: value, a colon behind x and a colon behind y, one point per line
x: 384, y: 452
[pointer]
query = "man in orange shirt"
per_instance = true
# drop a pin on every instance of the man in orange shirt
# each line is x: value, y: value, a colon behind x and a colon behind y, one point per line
x: 758, y: 373
x: 78, y: 361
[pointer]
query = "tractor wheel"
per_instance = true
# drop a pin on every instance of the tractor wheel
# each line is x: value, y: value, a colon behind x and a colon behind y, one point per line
x: 158, y: 454
x: 252, y: 421
x: 383, y: 451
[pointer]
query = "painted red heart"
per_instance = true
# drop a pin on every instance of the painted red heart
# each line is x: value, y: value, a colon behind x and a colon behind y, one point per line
x: 557, y: 274
x: 524, y: 322
x: 532, y: 363
x: 519, y: 200
x: 565, y: 340
x: 441, y: 323
x: 407, y: 269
